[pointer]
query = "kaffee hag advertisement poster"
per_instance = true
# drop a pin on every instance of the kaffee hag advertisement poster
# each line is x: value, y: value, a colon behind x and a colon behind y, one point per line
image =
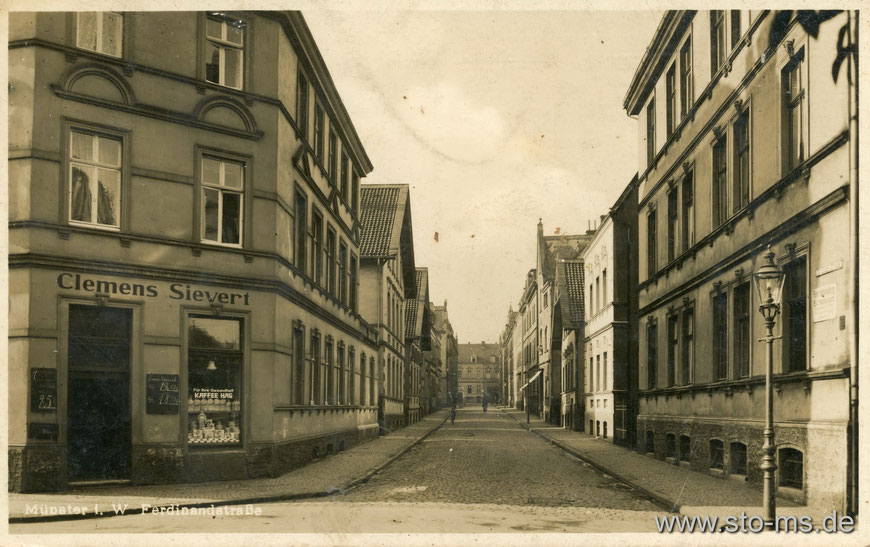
x: 490, y: 273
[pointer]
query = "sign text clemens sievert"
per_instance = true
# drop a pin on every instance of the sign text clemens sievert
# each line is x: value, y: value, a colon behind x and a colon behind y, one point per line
x: 177, y: 291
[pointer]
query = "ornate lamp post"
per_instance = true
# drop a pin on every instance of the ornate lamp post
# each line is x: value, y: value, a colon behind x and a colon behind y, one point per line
x: 769, y: 280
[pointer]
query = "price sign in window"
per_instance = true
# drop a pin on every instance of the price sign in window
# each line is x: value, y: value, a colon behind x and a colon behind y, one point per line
x: 214, y: 368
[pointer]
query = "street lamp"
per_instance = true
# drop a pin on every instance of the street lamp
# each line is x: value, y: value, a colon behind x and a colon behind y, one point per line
x: 769, y: 280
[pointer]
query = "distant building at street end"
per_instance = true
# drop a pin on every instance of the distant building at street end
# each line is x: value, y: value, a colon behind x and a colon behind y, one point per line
x: 387, y: 280
x: 449, y: 352
x: 479, y: 368
x: 748, y: 144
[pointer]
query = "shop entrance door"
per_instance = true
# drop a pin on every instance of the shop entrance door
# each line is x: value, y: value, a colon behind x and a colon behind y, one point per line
x: 98, y: 399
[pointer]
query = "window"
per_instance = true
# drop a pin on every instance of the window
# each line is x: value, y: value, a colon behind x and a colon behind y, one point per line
x: 598, y: 372
x: 685, y: 448
x: 345, y: 175
x: 604, y: 286
x: 735, y: 28
x: 372, y: 399
x: 341, y: 376
x: 791, y: 468
x: 331, y: 165
x: 793, y: 102
x: 318, y: 132
x: 720, y: 336
x: 95, y: 179
x: 342, y: 273
x: 317, y: 368
x: 650, y: 445
x: 330, y: 260
x: 720, y: 182
x: 317, y: 245
x: 741, y: 160
x: 330, y: 372
x: 301, y: 225
x: 686, y: 80
x: 651, y: 343
x: 591, y: 375
x: 362, y: 380
x: 100, y: 31
x: 469, y: 389
x: 687, y: 359
x: 688, y: 238
x: 223, y: 185
x: 591, y: 300
x: 673, y: 341
x: 224, y: 50
x: 351, y: 365
x: 795, y: 315
x: 354, y: 274
x: 302, y: 103
x: 214, y: 379
x: 651, y: 243
x: 651, y: 131
x: 671, y: 98
x: 717, y: 454
x: 717, y: 39
x: 673, y: 224
x: 738, y: 459
x: 604, y: 376
x: 298, y: 366
x: 742, y: 341
x: 354, y: 198
x: 671, y: 446
x: 598, y: 293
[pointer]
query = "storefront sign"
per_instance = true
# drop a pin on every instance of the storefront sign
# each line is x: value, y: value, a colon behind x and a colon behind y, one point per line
x: 177, y: 291
x: 824, y: 303
x: 213, y: 393
x: 829, y: 268
x: 43, y: 390
x: 161, y: 394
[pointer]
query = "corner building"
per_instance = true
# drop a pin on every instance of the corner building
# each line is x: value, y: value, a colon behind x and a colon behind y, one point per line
x: 745, y: 143
x: 183, y: 250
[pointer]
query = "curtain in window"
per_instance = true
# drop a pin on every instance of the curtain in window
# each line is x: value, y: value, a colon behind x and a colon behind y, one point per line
x: 81, y: 196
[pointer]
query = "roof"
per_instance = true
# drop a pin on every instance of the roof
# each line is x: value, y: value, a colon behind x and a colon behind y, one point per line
x: 482, y: 351
x: 570, y: 277
x: 385, y: 227
x: 413, y: 318
x: 562, y: 247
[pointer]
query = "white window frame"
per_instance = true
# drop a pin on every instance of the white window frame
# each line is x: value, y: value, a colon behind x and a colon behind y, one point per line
x: 221, y: 189
x: 99, y: 31
x: 223, y: 44
x: 97, y: 165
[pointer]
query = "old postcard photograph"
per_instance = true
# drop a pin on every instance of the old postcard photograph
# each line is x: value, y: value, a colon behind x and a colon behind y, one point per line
x: 371, y: 273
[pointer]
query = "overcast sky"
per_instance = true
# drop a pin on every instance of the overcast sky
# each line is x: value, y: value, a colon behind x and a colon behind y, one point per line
x: 494, y: 119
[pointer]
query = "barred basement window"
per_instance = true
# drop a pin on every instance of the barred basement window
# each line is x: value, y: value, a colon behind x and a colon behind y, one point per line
x: 791, y: 468
x: 738, y: 459
x: 685, y: 448
x: 717, y: 454
x: 671, y: 446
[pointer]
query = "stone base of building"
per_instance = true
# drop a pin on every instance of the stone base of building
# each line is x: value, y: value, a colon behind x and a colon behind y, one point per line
x: 823, y: 449
x: 43, y: 468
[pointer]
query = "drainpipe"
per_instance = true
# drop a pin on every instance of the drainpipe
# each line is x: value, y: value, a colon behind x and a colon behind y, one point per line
x: 853, y: 75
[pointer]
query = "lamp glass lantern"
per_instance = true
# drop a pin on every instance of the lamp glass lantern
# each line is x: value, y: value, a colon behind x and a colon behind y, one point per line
x: 769, y: 281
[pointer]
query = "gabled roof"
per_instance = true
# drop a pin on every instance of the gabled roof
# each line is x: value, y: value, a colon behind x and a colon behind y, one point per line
x: 571, y: 296
x: 561, y: 247
x: 385, y: 227
x: 481, y: 352
x: 417, y: 319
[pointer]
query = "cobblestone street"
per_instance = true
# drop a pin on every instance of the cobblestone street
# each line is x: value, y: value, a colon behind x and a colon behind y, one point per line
x: 489, y: 458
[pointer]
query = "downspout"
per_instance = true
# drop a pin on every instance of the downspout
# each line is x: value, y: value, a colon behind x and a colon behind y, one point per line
x: 853, y: 76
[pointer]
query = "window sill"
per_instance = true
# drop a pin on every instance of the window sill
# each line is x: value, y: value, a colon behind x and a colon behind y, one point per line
x: 737, y: 477
x: 91, y: 226
x: 716, y: 472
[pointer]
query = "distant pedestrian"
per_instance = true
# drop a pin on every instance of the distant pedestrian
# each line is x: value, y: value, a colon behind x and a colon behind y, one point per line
x: 485, y: 403
x: 453, y: 413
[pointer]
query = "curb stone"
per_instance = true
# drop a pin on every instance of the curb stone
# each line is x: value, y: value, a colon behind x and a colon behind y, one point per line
x: 243, y: 501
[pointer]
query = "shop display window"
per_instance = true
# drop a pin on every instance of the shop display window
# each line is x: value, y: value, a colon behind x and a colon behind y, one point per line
x: 214, y: 368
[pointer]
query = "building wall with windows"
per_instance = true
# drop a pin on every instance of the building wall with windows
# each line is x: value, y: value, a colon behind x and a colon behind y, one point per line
x: 747, y: 147
x: 171, y: 291
x: 479, y: 368
x: 448, y: 353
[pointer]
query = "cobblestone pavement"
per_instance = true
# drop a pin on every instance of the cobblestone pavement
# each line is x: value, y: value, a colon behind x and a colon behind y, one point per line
x: 487, y: 458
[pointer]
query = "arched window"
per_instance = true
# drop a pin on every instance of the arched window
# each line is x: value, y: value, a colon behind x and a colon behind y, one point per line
x: 791, y: 468
x: 738, y: 459
x: 605, y: 430
x: 685, y: 448
x: 650, y: 442
x: 717, y: 454
x: 671, y: 446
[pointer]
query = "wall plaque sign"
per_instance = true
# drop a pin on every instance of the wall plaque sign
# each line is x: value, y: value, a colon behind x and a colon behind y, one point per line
x: 161, y: 394
x: 43, y: 390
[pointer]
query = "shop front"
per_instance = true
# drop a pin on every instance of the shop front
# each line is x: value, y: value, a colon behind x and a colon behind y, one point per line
x: 120, y: 379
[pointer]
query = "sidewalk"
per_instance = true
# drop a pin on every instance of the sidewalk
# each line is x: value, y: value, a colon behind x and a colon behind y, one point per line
x: 675, y: 488
x: 327, y: 476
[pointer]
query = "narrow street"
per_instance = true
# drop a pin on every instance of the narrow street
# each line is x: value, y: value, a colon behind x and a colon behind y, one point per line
x: 484, y: 473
